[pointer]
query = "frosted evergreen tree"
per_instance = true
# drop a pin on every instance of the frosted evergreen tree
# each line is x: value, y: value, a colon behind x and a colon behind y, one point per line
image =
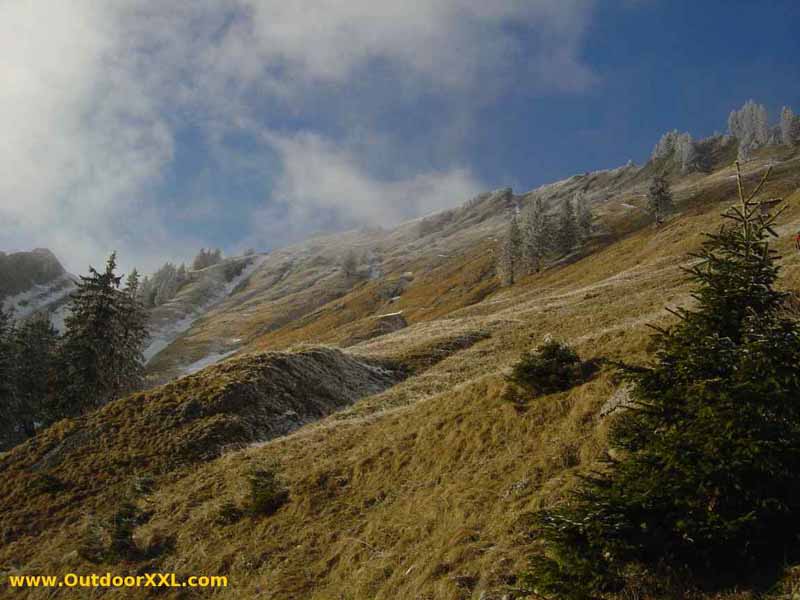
x: 181, y: 275
x: 665, y: 146
x: 568, y: 233
x: 206, y: 258
x: 790, y: 127
x: 166, y: 284
x: 100, y: 351
x: 35, y: 348
x: 134, y: 335
x: 350, y: 263
x: 585, y: 215
x: 686, y: 152
x: 147, y: 292
x: 537, y: 235
x: 510, y: 255
x: 750, y: 126
x: 659, y: 199
x: 678, y: 146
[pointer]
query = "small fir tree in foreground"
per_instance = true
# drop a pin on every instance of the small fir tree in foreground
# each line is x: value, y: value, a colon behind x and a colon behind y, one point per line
x: 705, y: 477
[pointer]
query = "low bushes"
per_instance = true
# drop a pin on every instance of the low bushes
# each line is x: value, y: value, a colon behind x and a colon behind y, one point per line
x: 552, y: 367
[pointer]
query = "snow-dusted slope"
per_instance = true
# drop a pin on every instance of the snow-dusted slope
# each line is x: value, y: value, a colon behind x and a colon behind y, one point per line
x: 32, y: 282
x: 206, y: 290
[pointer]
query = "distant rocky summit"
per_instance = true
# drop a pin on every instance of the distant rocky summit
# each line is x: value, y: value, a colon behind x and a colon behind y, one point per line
x: 20, y: 271
x: 33, y: 281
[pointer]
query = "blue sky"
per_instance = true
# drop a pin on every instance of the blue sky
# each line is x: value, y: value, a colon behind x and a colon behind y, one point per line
x: 158, y: 128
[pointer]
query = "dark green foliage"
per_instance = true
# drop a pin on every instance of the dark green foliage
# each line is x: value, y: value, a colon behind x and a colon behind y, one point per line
x: 7, y: 391
x: 267, y: 490
x: 553, y: 367
x: 36, y: 345
x: 234, y: 269
x: 101, y: 357
x: 706, y: 474
x: 206, y: 258
x: 229, y: 513
x: 27, y: 353
x: 568, y: 234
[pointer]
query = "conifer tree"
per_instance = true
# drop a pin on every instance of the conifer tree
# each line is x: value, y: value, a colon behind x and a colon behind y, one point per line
x: 350, y: 263
x: 510, y: 252
x: 537, y: 235
x: 790, y: 127
x: 35, y: 344
x: 568, y: 234
x: 8, y: 398
x: 585, y: 215
x: 706, y: 469
x: 101, y: 350
x: 659, y: 199
x: 134, y: 335
x: 750, y: 126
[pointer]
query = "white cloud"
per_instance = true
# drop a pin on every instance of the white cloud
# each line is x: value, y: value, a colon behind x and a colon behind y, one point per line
x: 320, y: 178
x: 92, y: 94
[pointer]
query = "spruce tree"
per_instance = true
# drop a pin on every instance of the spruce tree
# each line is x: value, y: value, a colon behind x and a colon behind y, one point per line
x: 35, y: 342
x: 659, y: 199
x: 585, y: 215
x: 705, y: 477
x: 101, y: 353
x: 790, y: 127
x: 8, y: 397
x: 536, y: 235
x: 568, y: 233
x: 350, y: 263
x: 134, y: 335
x: 510, y: 252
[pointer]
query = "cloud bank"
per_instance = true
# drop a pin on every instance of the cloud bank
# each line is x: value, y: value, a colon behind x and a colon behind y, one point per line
x: 96, y: 97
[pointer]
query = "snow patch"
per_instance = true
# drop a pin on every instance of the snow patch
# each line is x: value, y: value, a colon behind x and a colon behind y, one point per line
x: 39, y: 297
x: 162, y: 338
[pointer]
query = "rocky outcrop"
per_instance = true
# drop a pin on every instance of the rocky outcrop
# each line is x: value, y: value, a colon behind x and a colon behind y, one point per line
x: 249, y: 399
x: 34, y: 282
x: 21, y: 271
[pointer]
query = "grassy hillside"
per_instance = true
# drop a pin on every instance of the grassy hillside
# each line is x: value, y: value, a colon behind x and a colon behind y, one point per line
x: 421, y: 485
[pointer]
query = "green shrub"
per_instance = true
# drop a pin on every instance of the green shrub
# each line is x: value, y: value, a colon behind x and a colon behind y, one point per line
x: 267, y: 489
x: 705, y: 478
x: 228, y: 514
x: 553, y: 367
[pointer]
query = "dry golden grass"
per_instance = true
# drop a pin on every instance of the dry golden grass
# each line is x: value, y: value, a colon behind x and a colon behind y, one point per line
x: 427, y: 489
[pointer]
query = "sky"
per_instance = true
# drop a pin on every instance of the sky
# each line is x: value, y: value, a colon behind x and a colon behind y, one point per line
x: 158, y: 128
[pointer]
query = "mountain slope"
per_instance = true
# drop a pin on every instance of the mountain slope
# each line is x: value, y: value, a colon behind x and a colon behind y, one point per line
x: 33, y: 282
x: 425, y: 486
